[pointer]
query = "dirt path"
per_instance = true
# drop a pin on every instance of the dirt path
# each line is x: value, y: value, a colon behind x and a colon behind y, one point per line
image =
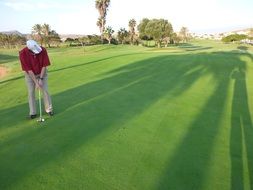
x: 3, y: 72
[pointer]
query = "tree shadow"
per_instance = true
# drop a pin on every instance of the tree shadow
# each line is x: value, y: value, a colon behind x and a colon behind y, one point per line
x: 191, y: 47
x: 4, y: 81
x: 241, y: 136
x: 199, y: 49
x: 189, y: 165
x: 243, y: 48
x: 4, y: 58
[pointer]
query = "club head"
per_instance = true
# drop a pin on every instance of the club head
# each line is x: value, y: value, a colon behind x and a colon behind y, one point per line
x: 41, y: 120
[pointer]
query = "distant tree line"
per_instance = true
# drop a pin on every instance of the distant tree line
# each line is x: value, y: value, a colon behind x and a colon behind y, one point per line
x: 85, y: 40
x: 11, y: 40
x: 158, y: 30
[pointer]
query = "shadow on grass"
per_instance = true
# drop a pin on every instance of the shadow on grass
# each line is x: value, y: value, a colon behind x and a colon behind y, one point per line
x: 198, y: 49
x: 11, y: 79
x: 189, y: 164
x: 190, y: 47
x: 243, y: 48
x: 7, y: 58
x: 241, y: 137
x: 102, y: 106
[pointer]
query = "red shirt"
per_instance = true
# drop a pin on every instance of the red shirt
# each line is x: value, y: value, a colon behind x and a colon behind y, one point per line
x: 33, y: 62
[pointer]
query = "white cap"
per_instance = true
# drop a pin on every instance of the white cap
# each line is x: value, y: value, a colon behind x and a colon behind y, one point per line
x: 33, y: 46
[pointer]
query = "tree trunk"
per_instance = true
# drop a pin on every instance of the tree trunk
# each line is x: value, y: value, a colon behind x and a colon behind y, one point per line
x: 159, y: 44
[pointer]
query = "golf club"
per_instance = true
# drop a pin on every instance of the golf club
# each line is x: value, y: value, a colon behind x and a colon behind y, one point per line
x: 40, y: 119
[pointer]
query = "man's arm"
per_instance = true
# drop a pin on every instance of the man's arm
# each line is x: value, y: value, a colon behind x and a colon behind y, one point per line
x: 42, y: 73
x: 31, y: 74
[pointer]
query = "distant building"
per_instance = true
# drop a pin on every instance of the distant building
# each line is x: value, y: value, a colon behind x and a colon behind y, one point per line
x: 219, y: 36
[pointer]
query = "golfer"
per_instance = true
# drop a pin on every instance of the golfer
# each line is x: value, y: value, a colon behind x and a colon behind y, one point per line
x: 34, y: 61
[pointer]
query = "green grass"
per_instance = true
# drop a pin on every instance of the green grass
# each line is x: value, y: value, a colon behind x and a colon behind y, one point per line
x: 131, y: 118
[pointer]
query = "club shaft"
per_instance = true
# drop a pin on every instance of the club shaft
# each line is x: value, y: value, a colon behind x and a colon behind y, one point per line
x: 40, y: 104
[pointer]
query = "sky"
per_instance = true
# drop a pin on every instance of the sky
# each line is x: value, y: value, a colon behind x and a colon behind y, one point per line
x: 80, y: 16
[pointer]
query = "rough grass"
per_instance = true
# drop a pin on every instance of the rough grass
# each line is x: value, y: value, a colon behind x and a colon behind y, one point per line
x: 133, y: 118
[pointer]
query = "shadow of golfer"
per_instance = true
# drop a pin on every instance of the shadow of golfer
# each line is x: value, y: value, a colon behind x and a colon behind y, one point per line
x: 241, y: 136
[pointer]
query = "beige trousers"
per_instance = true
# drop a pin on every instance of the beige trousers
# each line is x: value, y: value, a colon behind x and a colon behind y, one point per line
x: 31, y: 94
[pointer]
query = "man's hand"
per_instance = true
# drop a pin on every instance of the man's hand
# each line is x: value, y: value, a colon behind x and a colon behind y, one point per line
x: 39, y: 84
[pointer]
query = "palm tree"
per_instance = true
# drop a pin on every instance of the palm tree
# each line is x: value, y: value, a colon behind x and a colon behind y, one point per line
x: 45, y: 28
x: 108, y: 33
x: 37, y: 32
x: 122, y: 35
x: 37, y: 29
x: 102, y: 7
x: 100, y: 25
x: 132, y: 25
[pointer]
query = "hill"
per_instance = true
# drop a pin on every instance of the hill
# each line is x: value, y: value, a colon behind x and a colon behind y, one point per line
x: 13, y: 32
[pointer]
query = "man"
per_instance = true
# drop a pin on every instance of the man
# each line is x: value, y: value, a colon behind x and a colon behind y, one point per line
x: 34, y: 61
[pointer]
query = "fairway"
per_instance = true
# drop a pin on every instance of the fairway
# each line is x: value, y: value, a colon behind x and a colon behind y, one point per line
x: 132, y: 118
